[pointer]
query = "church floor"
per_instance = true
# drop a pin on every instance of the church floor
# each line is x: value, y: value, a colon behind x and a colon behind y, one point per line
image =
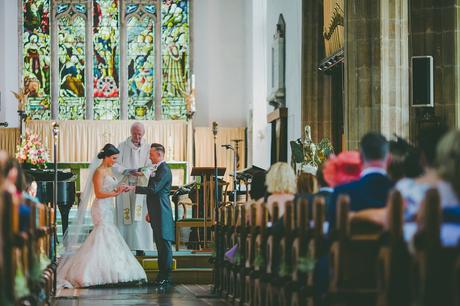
x: 180, y: 295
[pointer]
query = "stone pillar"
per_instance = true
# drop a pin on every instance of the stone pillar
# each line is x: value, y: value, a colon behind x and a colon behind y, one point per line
x: 434, y: 31
x: 316, y: 85
x: 376, y: 69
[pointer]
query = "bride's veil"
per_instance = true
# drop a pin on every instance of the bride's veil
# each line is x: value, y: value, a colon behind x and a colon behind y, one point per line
x: 79, y: 228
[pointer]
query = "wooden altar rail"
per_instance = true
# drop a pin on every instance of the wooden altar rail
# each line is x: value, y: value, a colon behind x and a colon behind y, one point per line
x: 9, y: 139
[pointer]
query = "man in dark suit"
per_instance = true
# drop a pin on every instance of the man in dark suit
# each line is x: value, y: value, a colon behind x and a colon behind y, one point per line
x: 159, y: 211
x: 371, y: 190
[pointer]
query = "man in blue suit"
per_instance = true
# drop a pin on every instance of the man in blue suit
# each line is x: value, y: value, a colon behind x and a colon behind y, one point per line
x: 372, y: 189
x: 159, y: 211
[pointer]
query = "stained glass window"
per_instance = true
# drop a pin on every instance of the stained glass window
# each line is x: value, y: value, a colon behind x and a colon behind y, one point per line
x: 148, y: 58
x: 106, y: 59
x: 141, y: 61
x: 37, y: 61
x: 175, y: 57
x: 71, y: 43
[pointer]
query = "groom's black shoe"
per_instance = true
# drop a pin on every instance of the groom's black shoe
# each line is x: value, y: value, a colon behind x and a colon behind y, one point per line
x: 162, y: 283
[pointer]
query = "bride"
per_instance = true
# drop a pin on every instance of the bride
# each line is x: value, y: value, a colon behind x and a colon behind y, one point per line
x: 102, y: 256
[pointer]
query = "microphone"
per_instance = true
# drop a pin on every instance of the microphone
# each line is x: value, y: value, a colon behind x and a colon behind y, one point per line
x: 214, y: 128
x: 4, y: 124
x: 227, y: 146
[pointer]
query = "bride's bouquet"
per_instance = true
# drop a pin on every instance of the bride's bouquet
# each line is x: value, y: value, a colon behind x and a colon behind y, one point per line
x: 31, y: 151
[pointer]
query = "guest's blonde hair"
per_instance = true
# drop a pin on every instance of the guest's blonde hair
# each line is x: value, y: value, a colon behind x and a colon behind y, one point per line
x: 448, y: 159
x: 281, y: 178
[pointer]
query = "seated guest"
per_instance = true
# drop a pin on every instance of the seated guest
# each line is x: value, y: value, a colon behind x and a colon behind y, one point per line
x: 343, y: 168
x: 257, y: 193
x: 413, y: 189
x: 14, y: 177
x: 30, y: 191
x: 371, y: 190
x: 325, y: 190
x: 448, y: 166
x: 281, y: 184
x: 404, y: 160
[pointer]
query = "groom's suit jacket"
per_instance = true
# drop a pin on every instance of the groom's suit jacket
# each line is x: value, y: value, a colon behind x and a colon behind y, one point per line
x: 158, y: 204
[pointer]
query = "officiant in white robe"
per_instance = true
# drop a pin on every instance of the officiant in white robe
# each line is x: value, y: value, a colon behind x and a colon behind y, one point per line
x: 131, y: 207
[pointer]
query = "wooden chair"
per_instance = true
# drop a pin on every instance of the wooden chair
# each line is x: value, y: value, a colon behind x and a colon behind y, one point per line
x: 353, y: 259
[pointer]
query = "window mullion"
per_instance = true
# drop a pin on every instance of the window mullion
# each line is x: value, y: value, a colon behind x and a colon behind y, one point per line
x: 89, y: 60
x: 123, y: 64
x: 55, y: 79
x: 158, y: 61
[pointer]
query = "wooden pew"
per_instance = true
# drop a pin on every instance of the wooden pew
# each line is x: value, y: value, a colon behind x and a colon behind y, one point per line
x: 240, y: 269
x: 273, y: 260
x: 229, y: 228
x: 250, y: 254
x: 260, y: 259
x: 299, y: 253
x: 435, y: 264
x: 394, y: 261
x: 354, y: 253
x: 284, y: 279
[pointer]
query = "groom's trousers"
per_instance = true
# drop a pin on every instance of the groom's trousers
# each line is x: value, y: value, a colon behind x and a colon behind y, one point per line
x: 164, y: 254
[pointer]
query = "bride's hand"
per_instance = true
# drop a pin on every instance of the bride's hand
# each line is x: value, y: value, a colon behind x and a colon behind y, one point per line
x: 129, y: 188
x: 119, y: 189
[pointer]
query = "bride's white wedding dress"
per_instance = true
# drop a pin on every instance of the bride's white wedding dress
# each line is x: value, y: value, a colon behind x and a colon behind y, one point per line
x: 104, y: 257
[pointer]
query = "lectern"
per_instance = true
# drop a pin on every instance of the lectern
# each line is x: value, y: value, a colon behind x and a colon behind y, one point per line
x: 206, y: 188
x: 278, y: 121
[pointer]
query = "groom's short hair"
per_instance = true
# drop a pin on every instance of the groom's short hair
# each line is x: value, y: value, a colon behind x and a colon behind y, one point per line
x: 158, y: 147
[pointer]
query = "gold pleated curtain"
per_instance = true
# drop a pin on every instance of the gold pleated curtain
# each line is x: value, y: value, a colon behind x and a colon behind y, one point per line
x: 8, y: 140
x: 204, y: 148
x: 80, y: 140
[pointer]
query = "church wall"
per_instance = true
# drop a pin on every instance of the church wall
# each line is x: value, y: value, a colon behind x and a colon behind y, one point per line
x: 220, y: 41
x: 258, y: 128
x: 292, y: 13
x: 9, y: 77
x: 439, y: 37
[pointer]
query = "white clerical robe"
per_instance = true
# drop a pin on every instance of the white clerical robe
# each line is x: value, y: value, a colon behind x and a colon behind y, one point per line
x: 131, y: 208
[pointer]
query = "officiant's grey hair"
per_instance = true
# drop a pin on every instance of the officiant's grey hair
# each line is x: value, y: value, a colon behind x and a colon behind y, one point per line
x: 138, y: 125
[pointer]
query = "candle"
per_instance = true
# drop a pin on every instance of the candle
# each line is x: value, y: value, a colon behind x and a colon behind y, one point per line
x: 193, y: 82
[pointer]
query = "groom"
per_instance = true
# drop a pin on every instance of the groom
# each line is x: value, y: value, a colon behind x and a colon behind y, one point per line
x: 159, y: 211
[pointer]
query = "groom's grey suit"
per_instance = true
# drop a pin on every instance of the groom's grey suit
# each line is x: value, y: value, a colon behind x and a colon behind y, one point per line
x: 161, y: 220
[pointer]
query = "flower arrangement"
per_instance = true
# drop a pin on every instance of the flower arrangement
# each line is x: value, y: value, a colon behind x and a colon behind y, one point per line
x: 32, y: 151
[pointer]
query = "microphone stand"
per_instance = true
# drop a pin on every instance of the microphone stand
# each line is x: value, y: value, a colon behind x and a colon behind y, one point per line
x: 217, y: 228
x: 229, y: 147
x: 55, y: 198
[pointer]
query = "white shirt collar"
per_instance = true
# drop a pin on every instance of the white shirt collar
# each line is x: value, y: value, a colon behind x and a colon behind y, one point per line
x: 373, y: 170
x: 157, y: 165
x: 327, y: 189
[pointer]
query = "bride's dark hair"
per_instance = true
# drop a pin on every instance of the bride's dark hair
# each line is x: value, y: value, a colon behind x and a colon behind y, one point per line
x: 108, y: 150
